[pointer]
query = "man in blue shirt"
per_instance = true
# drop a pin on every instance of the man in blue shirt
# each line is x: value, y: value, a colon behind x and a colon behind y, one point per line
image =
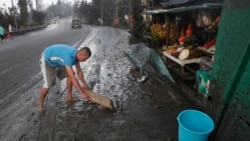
x: 57, y: 61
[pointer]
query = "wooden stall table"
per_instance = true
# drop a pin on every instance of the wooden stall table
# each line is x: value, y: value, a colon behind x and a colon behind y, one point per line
x: 183, y: 63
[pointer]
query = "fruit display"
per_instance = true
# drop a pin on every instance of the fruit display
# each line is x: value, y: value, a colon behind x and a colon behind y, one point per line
x: 158, y: 31
x: 181, y: 52
x: 182, y: 37
x: 172, y: 49
x: 208, y: 44
x: 189, y: 30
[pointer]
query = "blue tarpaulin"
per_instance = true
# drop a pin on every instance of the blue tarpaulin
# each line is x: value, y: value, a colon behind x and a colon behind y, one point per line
x: 140, y: 54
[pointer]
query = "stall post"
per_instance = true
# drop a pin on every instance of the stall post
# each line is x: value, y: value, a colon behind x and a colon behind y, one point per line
x: 167, y: 21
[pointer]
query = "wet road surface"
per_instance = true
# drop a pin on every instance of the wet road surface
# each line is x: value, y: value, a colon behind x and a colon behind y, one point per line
x: 145, y: 111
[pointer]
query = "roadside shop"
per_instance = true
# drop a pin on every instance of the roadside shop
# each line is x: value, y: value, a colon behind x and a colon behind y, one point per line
x: 185, y: 36
x: 229, y: 76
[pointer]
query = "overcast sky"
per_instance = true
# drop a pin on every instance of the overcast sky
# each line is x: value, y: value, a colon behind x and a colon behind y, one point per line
x: 7, y: 3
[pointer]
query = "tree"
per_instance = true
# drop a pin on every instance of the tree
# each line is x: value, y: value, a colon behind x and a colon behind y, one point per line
x: 123, y: 9
x: 24, y: 15
x: 66, y: 9
x: 82, y: 10
x: 96, y: 11
x: 6, y: 18
x: 138, y: 25
x: 61, y: 9
x: 38, y: 17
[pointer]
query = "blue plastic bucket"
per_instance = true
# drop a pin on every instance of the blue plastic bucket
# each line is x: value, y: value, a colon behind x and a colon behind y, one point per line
x: 194, y: 126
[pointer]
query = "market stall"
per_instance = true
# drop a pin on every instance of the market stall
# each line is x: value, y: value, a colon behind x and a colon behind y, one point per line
x: 181, y: 62
x: 190, y: 33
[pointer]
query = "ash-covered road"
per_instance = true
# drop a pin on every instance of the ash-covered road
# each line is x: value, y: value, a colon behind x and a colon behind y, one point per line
x: 145, y: 111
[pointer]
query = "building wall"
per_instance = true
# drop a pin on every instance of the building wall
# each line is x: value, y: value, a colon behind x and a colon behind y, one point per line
x: 230, y: 82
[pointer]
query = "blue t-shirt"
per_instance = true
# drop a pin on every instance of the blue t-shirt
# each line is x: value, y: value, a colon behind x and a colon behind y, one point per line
x: 60, y: 55
x: 1, y: 30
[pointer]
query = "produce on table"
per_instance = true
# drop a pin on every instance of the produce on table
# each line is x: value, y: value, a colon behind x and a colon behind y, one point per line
x: 189, y: 30
x: 182, y: 37
x: 208, y: 44
x: 158, y: 31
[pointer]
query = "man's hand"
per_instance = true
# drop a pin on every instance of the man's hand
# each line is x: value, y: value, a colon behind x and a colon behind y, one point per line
x: 85, y: 96
x: 85, y: 86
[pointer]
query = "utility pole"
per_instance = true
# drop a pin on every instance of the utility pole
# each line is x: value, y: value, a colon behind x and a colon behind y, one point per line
x: 102, y: 13
x: 147, y: 15
x: 131, y: 12
x: 39, y: 4
x: 14, y: 11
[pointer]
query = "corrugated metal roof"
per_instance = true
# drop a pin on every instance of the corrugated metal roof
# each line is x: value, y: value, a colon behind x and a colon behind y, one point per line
x: 187, y: 8
x: 174, y: 2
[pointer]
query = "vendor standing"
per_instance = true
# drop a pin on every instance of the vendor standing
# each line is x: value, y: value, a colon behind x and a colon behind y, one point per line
x: 10, y: 32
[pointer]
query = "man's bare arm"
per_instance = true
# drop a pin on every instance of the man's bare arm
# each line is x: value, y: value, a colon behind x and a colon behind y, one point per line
x: 81, y: 76
x: 75, y: 82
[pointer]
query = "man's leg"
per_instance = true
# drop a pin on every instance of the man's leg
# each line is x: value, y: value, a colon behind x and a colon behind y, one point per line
x: 1, y: 38
x: 43, y: 94
x: 62, y: 73
x: 49, y: 75
x: 69, y: 98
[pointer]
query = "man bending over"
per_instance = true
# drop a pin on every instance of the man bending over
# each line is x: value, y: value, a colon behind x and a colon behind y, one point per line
x: 57, y: 61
